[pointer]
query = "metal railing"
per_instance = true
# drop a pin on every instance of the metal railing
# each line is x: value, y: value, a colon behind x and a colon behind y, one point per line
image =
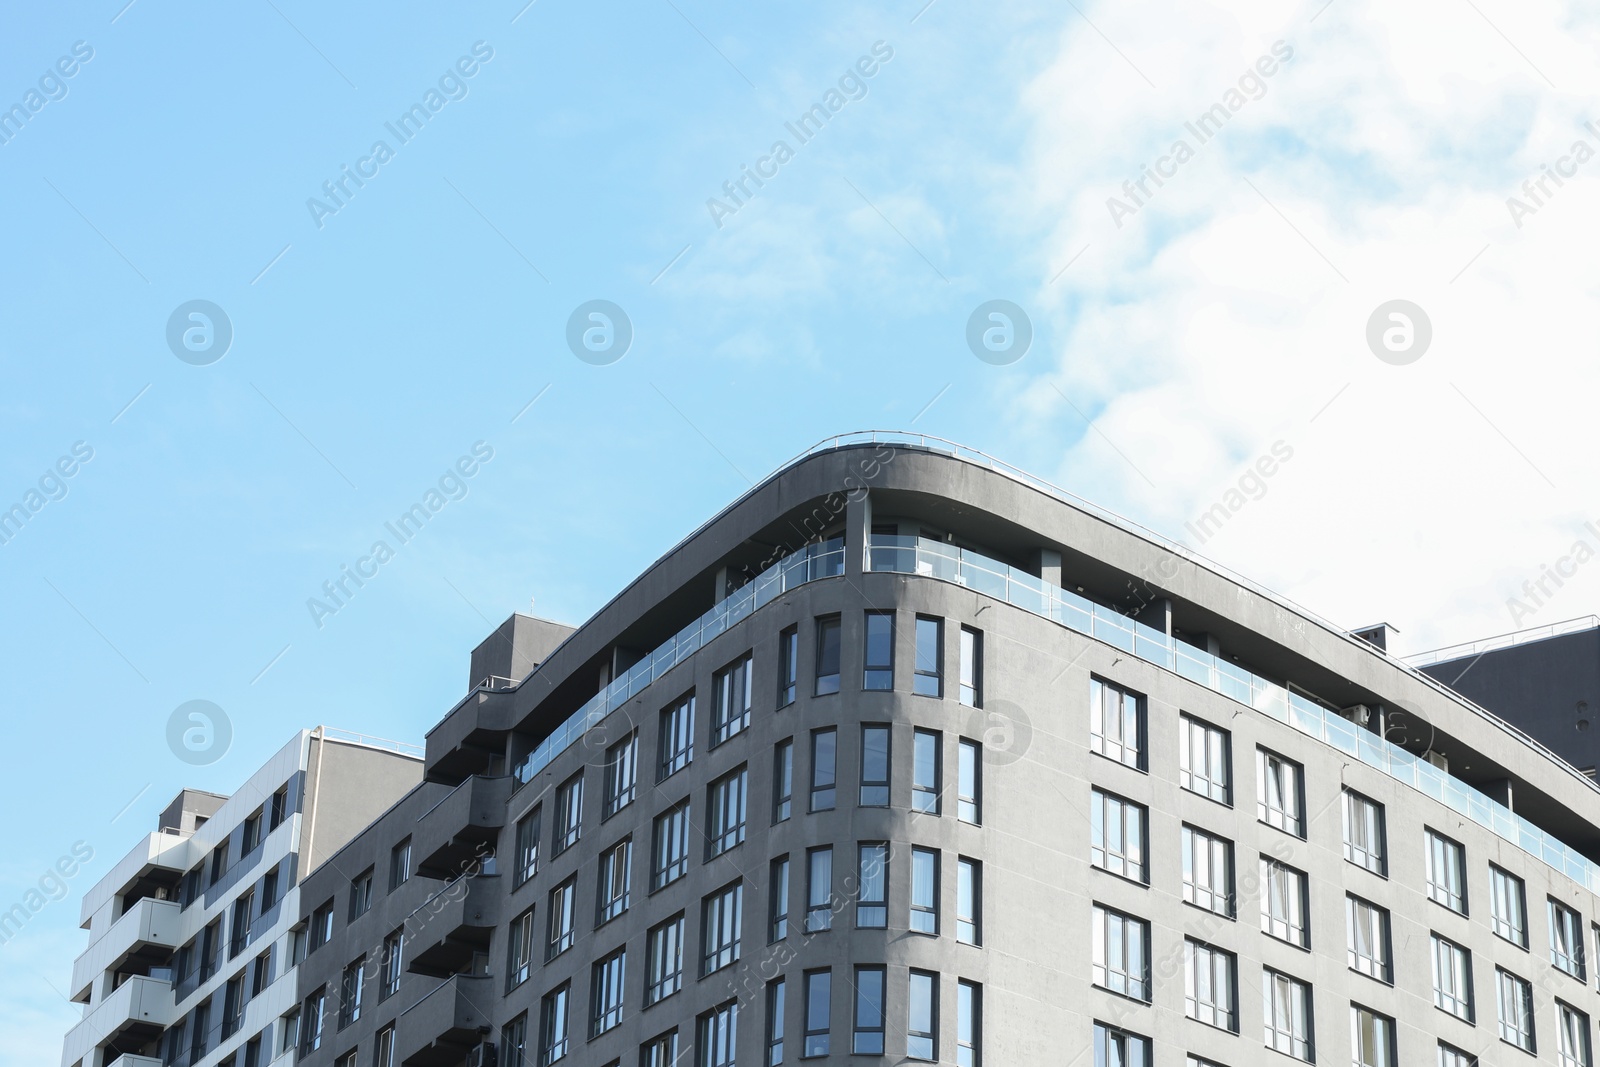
x: 404, y: 748
x: 1507, y: 640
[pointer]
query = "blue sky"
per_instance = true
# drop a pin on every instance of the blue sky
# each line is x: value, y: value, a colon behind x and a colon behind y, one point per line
x: 371, y: 351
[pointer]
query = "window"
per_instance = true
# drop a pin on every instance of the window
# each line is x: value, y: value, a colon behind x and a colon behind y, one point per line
x: 252, y: 1053
x: 1208, y: 871
x: 1205, y: 760
x: 925, y: 761
x: 819, y: 890
x: 1210, y: 985
x: 269, y: 890
x: 1508, y: 906
x: 513, y: 1043
x: 519, y: 950
x: 1572, y: 1034
x: 720, y: 918
x: 278, y: 809
x: 969, y: 783
x: 878, y: 654
x: 928, y: 680
x: 219, y: 862
x: 827, y: 656
x: 1119, y: 1048
x: 321, y: 930
x: 360, y: 894
x: 616, y: 878
x: 718, y: 1034
x: 527, y: 847
x: 563, y: 914
x: 726, y: 828
x: 775, y: 1007
x: 553, y: 1012
x: 1367, y: 944
x: 818, y: 992
x: 1117, y: 835
x: 621, y: 775
x: 677, y: 738
x: 1280, y: 797
x: 1286, y: 1014
x: 233, y: 1005
x: 250, y: 835
x: 347, y: 1060
x: 663, y: 961
x: 1566, y: 939
x: 868, y: 1036
x: 969, y: 901
x: 778, y: 903
x: 874, y: 766
x: 399, y: 864
x: 872, y: 885
x: 925, y: 891
x: 311, y: 1013
x: 783, y: 780
x: 660, y: 1051
x: 971, y: 667
x: 569, y: 814
x: 1452, y: 978
x: 1364, y: 843
x: 788, y: 665
x: 1447, y: 872
x: 239, y: 926
x: 669, y: 849
x: 261, y: 973
x: 1371, y: 1038
x: 1116, y: 723
x: 824, y: 768
x: 1121, y: 953
x: 1515, y: 999
x: 1450, y: 1056
x: 290, y: 1027
x: 969, y: 1023
x: 1283, y: 903
x: 730, y: 713
x: 922, y: 1026
x: 606, y: 993
x: 393, y: 964
x: 350, y: 990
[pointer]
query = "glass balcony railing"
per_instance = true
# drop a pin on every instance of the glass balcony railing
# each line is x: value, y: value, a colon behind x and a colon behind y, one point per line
x: 825, y: 559
x: 934, y: 559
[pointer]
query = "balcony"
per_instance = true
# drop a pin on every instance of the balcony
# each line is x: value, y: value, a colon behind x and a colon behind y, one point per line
x: 133, y: 1015
x: 130, y: 1060
x: 439, y: 1029
x: 455, y: 923
x: 144, y: 936
x: 159, y: 861
x: 458, y: 831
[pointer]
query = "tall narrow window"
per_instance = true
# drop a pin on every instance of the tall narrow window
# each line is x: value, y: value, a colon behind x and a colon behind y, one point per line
x: 778, y: 903
x: 727, y: 826
x: 969, y: 784
x: 660, y: 1051
x: 819, y: 890
x: 360, y: 897
x: 783, y: 780
x: 669, y: 846
x: 867, y: 1039
x: 1367, y: 943
x: 1515, y: 999
x: 513, y: 1044
x: 677, y: 738
x: 399, y: 864
x: 1117, y: 835
x: 1566, y: 939
x: 1283, y: 903
x: 1210, y: 985
x: 621, y: 774
x: 1452, y: 978
x: 1121, y: 953
x: 527, y: 847
x: 1286, y: 1014
x: 824, y: 768
x: 1508, y: 906
x: 971, y: 667
x: 788, y: 665
x: 1205, y: 760
x: 929, y: 678
x: 1116, y: 723
x: 616, y: 878
x: 519, y: 950
x: 720, y: 919
x: 718, y: 1031
x: 606, y: 993
x: 874, y: 766
x: 775, y: 1009
x: 553, y: 1021
x: 969, y: 901
x: 1572, y: 1034
x: 925, y: 891
x: 1364, y: 833
x: 1280, y: 796
x: 663, y: 963
x: 969, y: 1024
x: 1115, y: 1047
x: 819, y: 991
x: 878, y: 654
x: 1447, y: 872
x: 393, y: 963
x: 827, y: 656
x: 925, y: 761
x: 1208, y: 871
x: 872, y: 885
x: 1371, y: 1038
x: 922, y: 1023
x: 569, y: 814
x: 563, y: 913
x: 732, y: 691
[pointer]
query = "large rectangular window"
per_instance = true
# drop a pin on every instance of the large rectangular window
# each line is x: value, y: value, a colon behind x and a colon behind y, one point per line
x: 929, y: 678
x: 872, y: 885
x: 663, y: 960
x: 563, y: 916
x: 621, y: 774
x: 969, y: 901
x: 1371, y: 1038
x: 1566, y: 939
x: 1210, y: 985
x: 1115, y: 1047
x: 778, y: 900
x: 1117, y: 835
x: 569, y: 814
x: 1447, y: 872
x: 1284, y: 903
x: 783, y: 780
x: 827, y: 656
x: 1572, y: 1034
x: 1364, y: 833
x: 878, y: 653
x: 519, y: 950
x: 720, y: 920
x: 554, y: 1011
x: 922, y: 1024
x: 1208, y: 871
x: 1286, y: 1014
x: 819, y: 890
x: 969, y: 781
x: 1452, y: 978
x: 669, y: 846
x: 527, y: 848
x: 971, y: 667
x: 874, y: 766
x: 718, y: 1031
x: 1121, y: 953
x: 969, y: 1024
x: 1205, y: 760
x: 867, y: 1038
x: 788, y: 665
x: 731, y: 688
x: 1514, y: 997
x: 775, y: 1010
x: 615, y: 881
x: 924, y: 891
x: 1367, y: 939
x: 1280, y: 792
x: 677, y: 738
x: 824, y: 768
x: 1116, y: 723
x: 727, y: 826
x: 926, y: 758
x: 819, y: 992
x: 1508, y: 906
x: 606, y: 993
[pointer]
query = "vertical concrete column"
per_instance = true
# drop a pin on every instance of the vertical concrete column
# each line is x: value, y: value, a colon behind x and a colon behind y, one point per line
x: 857, y: 532
x: 719, y: 585
x: 1047, y: 565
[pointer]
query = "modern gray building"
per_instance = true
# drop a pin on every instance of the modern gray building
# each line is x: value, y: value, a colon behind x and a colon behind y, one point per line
x: 906, y: 755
